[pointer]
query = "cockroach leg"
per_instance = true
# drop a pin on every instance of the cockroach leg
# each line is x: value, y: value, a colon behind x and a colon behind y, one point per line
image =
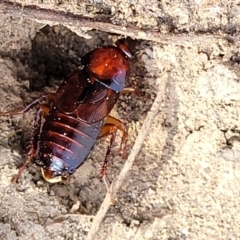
x: 110, y: 128
x: 21, y: 169
x: 49, y: 96
x: 106, y: 181
x: 31, y: 105
x: 35, y: 133
x: 132, y: 90
x: 43, y: 110
x: 128, y: 90
x: 136, y: 91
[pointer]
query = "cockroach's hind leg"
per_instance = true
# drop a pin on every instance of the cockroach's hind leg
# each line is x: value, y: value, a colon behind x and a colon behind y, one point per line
x: 34, y: 143
x: 21, y: 169
x: 109, y: 187
x: 110, y: 128
x: 106, y: 182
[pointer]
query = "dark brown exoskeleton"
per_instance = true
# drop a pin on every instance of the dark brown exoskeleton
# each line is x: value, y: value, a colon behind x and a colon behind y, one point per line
x: 78, y: 114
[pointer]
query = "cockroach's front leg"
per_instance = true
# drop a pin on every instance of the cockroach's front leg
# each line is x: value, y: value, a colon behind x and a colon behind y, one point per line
x: 137, y: 92
x: 128, y: 90
x: 110, y: 128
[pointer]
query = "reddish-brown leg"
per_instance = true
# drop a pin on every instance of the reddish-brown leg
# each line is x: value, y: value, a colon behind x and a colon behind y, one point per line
x: 42, y: 111
x: 49, y: 96
x: 128, y: 90
x: 33, y: 146
x: 37, y: 124
x: 110, y: 128
x: 137, y: 92
x: 31, y: 105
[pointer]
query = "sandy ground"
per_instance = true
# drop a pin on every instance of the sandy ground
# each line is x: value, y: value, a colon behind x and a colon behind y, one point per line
x: 185, y: 180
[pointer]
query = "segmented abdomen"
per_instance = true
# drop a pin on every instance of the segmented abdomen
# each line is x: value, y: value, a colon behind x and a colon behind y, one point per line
x: 68, y: 138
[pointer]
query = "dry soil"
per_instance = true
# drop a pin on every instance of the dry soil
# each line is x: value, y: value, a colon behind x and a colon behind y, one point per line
x: 185, y: 180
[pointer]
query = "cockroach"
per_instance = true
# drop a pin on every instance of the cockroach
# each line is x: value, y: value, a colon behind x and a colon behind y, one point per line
x: 77, y: 114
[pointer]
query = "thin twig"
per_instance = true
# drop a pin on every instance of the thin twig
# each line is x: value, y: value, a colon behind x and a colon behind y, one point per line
x: 128, y: 164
